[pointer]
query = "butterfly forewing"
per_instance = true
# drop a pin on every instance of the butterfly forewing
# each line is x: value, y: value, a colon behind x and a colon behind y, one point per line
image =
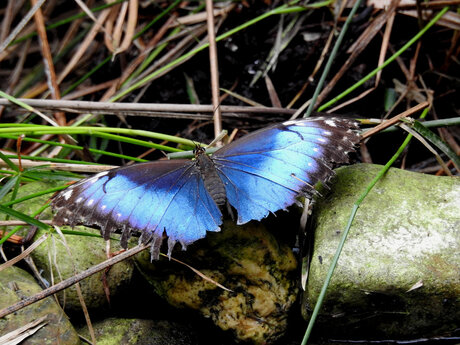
x: 149, y: 197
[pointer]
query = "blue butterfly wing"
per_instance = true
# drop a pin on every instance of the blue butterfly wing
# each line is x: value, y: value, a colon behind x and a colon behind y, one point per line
x: 266, y: 170
x: 151, y: 198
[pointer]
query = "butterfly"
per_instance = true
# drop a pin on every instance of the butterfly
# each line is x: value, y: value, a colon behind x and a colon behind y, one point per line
x: 261, y: 173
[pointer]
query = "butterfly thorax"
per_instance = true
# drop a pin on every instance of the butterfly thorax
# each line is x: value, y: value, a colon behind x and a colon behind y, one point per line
x: 211, y: 179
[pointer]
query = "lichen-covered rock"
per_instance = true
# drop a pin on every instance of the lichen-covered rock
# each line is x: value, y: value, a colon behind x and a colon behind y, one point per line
x: 114, y: 331
x: 54, y: 260
x: 246, y: 259
x: 398, y: 274
x: 56, y: 264
x: 16, y: 284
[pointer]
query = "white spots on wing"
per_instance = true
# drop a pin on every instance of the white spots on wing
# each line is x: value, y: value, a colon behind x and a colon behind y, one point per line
x: 78, y: 200
x: 103, y: 207
x: 322, y: 140
x: 315, y: 149
x: 119, y: 215
x: 330, y: 123
x: 327, y: 133
x: 67, y: 194
x: 90, y: 202
x: 309, y: 164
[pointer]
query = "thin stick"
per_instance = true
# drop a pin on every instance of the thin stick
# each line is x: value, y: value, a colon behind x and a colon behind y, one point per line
x: 394, y: 119
x: 48, y: 61
x: 130, y: 108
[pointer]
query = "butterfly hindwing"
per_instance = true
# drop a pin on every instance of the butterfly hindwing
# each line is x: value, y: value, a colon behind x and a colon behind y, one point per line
x: 266, y: 170
x: 152, y: 198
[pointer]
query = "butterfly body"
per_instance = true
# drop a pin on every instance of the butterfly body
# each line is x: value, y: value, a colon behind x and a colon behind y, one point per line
x: 212, y: 181
x: 261, y: 173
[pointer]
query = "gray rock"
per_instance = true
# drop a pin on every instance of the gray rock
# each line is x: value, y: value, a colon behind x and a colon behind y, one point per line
x: 16, y: 284
x: 246, y: 259
x: 398, y: 274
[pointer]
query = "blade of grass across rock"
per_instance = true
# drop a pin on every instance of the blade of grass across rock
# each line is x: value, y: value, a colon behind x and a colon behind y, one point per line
x: 377, y: 178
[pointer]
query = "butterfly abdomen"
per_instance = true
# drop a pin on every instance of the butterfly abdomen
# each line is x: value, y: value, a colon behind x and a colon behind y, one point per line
x: 211, y: 179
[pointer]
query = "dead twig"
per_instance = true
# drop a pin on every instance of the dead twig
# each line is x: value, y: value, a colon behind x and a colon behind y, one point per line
x: 214, y: 66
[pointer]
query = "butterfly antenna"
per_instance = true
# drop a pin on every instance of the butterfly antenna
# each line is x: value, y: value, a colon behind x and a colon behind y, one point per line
x: 218, y: 138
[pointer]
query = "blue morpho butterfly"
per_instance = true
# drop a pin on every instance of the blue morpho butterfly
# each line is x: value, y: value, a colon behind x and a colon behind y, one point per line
x: 263, y: 172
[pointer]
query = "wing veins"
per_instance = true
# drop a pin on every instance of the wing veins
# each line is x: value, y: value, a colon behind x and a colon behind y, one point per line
x: 252, y: 173
x: 196, y: 206
x: 175, y: 194
x: 248, y: 196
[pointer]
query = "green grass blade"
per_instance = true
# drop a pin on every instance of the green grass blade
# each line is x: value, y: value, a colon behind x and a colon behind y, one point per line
x: 76, y: 147
x: 23, y: 217
x: 34, y: 195
x: 437, y: 141
x: 8, y: 162
x: 8, y: 186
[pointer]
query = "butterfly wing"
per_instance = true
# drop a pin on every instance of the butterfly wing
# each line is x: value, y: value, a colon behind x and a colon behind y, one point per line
x: 152, y: 198
x: 266, y: 170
